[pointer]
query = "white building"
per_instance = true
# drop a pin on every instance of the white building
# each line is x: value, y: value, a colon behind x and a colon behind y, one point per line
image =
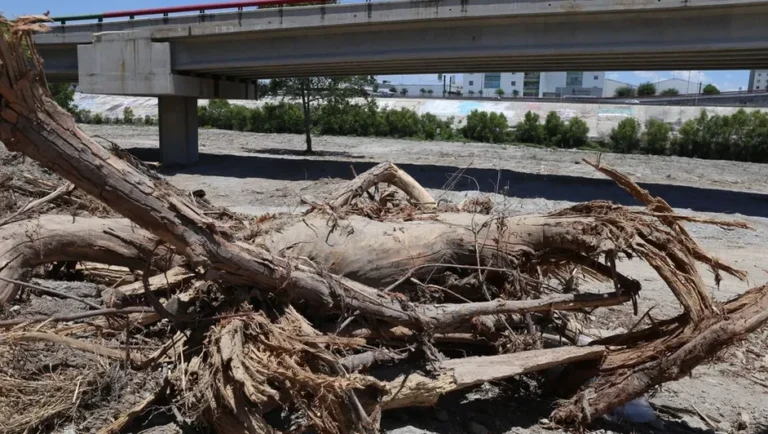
x: 758, y: 80
x: 610, y: 86
x: 683, y: 87
x: 534, y: 84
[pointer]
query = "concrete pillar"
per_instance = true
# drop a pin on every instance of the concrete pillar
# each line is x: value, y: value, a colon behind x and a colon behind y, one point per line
x: 178, y: 130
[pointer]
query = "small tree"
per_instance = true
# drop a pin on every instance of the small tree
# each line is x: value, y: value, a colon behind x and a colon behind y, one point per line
x: 670, y: 92
x: 499, y: 92
x: 393, y: 89
x: 480, y: 92
x: 422, y: 91
x: 403, y: 91
x: 515, y: 93
x: 471, y: 92
x: 529, y: 130
x: 626, y: 136
x: 710, y: 89
x: 64, y: 95
x: 656, y: 137
x: 128, y: 117
x: 625, y: 92
x: 554, y: 130
x: 577, y: 134
x: 646, y: 89
x: 430, y: 92
x: 313, y: 90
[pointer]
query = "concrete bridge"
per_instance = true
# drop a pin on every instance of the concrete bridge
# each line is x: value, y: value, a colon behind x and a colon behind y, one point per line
x: 221, y: 55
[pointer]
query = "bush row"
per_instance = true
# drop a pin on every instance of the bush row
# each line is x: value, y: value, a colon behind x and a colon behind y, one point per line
x: 86, y: 117
x: 741, y: 136
x: 344, y: 118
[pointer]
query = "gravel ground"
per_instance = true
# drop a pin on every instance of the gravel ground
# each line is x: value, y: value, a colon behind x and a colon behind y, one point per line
x: 260, y: 173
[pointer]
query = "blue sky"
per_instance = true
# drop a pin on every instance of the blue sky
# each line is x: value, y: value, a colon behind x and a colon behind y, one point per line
x: 724, y: 80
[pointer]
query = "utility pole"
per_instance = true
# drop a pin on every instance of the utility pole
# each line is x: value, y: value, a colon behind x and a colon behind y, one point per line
x: 696, y: 100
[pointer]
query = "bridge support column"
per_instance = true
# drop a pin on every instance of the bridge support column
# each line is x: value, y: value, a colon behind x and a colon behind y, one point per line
x: 178, y: 130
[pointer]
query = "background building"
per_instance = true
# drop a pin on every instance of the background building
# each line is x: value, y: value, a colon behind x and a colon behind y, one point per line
x: 535, y: 84
x: 610, y: 86
x: 758, y: 80
x: 683, y: 87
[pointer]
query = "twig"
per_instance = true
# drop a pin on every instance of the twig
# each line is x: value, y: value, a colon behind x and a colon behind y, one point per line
x: 750, y: 378
x: 709, y: 421
x: 70, y: 342
x: 52, y: 292
x: 410, y: 272
x: 64, y: 189
x: 74, y: 317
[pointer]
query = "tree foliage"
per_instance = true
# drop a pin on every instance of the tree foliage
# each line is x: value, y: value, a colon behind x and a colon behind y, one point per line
x: 646, y: 89
x: 626, y: 136
x: 64, y: 95
x: 625, y: 92
x: 309, y: 91
x: 530, y: 130
x: 670, y: 92
x: 710, y: 89
x: 486, y: 127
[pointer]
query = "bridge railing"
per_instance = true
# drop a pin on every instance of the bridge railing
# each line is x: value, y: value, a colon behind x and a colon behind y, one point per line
x: 201, y: 8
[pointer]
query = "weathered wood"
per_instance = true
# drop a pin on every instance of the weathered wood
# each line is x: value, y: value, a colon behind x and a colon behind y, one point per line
x: 27, y: 244
x: 386, y: 173
x: 413, y: 389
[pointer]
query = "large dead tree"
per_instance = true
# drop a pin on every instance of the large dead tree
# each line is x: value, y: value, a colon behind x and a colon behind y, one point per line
x: 363, y: 280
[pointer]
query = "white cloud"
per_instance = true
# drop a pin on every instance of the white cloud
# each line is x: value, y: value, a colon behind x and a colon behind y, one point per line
x: 695, y: 76
x: 613, y: 76
x: 648, y: 75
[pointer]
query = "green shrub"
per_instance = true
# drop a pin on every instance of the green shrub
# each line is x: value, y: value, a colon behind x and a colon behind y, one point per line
x: 64, y: 95
x: 670, y: 92
x: 486, y: 127
x: 626, y: 136
x: 656, y: 138
x: 402, y: 123
x: 555, y: 130
x: 128, y: 116
x: 433, y: 128
x: 710, y: 89
x: 625, y: 92
x: 646, y: 89
x: 577, y: 135
x: 529, y: 130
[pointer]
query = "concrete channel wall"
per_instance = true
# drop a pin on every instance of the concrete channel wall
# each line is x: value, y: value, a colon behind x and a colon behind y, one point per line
x: 600, y: 118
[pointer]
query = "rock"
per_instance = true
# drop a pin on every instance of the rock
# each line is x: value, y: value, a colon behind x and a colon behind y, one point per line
x: 476, y: 428
x: 740, y: 357
x: 694, y: 422
x: 544, y: 422
x: 442, y: 415
x: 743, y: 423
x: 724, y: 426
x: 15, y: 309
x: 114, y: 298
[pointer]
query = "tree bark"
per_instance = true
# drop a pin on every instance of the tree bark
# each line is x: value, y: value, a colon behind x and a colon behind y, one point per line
x: 305, y: 108
x: 27, y: 244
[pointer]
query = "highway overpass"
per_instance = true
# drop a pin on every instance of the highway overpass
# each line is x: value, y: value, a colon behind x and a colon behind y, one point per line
x: 180, y: 59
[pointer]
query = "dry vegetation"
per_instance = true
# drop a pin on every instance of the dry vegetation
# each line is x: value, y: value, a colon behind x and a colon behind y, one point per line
x: 373, y: 301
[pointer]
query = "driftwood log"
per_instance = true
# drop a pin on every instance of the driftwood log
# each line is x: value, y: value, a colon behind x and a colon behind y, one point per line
x: 301, y: 311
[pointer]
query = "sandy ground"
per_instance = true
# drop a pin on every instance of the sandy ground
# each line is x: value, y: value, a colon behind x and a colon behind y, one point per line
x: 259, y: 173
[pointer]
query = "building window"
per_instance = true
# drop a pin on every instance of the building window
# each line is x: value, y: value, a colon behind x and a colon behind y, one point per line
x: 596, y: 78
x: 492, y: 81
x: 471, y: 83
x: 574, y: 79
x: 514, y: 83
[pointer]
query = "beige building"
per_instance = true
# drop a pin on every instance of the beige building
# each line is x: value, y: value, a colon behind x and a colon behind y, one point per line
x: 758, y: 80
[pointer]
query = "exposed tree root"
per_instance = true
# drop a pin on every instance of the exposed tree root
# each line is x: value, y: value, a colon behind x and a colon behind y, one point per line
x: 388, y: 281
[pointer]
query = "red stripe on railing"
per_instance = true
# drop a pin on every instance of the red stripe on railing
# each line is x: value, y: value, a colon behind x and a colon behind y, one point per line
x: 204, y: 7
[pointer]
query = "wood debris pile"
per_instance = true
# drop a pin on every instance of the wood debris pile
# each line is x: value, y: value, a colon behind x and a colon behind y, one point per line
x: 373, y: 301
